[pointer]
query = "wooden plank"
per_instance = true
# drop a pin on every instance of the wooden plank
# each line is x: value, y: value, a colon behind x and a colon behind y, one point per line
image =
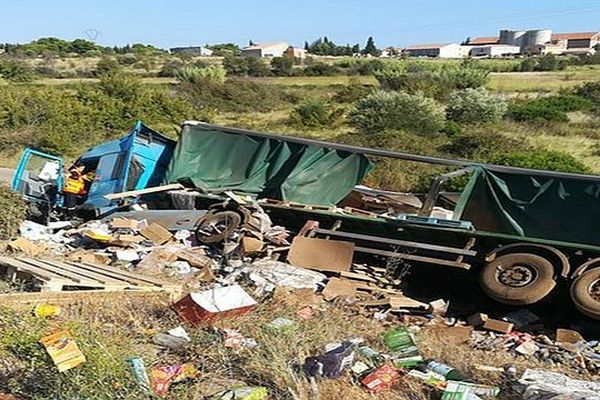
x: 60, y: 271
x: 115, y: 277
x: 25, y: 300
x: 354, y: 275
x: 377, y: 239
x: 34, y: 271
x: 91, y: 274
x: 413, y: 257
x: 128, y: 274
x: 135, y: 193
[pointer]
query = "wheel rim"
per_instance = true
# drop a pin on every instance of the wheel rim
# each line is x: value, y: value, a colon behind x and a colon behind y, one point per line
x: 516, y: 275
x: 594, y: 290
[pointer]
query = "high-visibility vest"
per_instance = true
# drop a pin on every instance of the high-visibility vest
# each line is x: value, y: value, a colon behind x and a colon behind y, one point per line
x: 75, y: 185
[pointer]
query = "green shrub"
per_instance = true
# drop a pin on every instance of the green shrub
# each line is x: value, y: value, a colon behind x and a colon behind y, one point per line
x: 590, y: 91
x: 106, y: 65
x: 245, y: 66
x: 541, y: 159
x: 16, y: 71
x: 211, y: 73
x: 282, y: 66
x: 170, y: 68
x: 398, y: 111
x: 352, y: 92
x: 315, y: 113
x: 532, y: 111
x: 234, y: 95
x: 451, y: 129
x: 565, y: 102
x: 433, y: 81
x: 322, y: 69
x: 481, y: 145
x: 127, y: 59
x: 475, y: 105
x: 13, y: 212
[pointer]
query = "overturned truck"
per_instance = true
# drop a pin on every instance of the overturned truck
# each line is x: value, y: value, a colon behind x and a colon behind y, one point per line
x: 522, y: 230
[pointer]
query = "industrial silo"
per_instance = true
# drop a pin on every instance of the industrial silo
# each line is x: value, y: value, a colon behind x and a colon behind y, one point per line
x: 537, y: 37
x: 512, y: 37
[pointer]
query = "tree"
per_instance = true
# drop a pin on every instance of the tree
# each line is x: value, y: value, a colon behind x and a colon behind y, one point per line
x: 306, y: 46
x: 282, y: 66
x: 370, y: 48
x: 250, y: 42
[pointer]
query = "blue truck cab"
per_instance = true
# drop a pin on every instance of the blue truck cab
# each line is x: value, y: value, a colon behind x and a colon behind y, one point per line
x: 138, y: 160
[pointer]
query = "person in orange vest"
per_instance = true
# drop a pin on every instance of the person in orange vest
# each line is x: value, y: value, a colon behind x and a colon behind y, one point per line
x: 75, y: 186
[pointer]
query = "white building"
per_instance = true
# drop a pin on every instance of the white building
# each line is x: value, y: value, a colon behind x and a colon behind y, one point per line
x: 448, y: 50
x: 494, y: 50
x: 275, y: 49
x: 193, y: 50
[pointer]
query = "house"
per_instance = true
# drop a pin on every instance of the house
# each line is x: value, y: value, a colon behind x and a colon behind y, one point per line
x: 494, y: 50
x: 577, y: 40
x: 274, y: 49
x: 448, y: 50
x: 295, y: 52
x: 193, y: 50
x: 390, y: 52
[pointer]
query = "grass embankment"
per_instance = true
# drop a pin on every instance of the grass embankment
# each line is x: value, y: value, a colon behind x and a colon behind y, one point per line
x: 112, y: 330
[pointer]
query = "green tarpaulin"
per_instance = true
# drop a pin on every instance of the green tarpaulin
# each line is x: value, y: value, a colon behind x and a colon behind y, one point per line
x: 525, y: 204
x: 217, y: 160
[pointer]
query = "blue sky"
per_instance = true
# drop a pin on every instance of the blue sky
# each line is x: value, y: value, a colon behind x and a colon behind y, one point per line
x: 391, y: 22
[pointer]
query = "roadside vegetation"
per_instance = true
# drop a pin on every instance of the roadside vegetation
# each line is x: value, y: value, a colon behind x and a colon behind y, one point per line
x: 487, y: 110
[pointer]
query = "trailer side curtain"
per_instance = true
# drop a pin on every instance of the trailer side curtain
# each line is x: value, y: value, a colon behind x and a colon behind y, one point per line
x: 214, y: 160
x: 553, y: 208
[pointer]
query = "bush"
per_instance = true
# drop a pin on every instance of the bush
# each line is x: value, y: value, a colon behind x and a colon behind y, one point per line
x: 282, y: 66
x: 398, y: 111
x: 532, y: 111
x: 13, y: 212
x: 127, y: 59
x: 541, y: 159
x: 565, y: 102
x: 315, y: 113
x: 590, y: 91
x: 245, y: 66
x: 212, y: 73
x: 170, y: 68
x: 433, y: 81
x: 322, y: 69
x: 106, y: 65
x: 451, y: 129
x: 234, y: 95
x: 475, y: 105
x: 352, y: 92
x: 16, y: 71
x: 481, y: 145
x: 547, y: 62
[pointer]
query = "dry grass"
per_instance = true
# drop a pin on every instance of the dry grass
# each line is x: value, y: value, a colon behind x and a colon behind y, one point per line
x: 541, y: 82
x: 111, y: 330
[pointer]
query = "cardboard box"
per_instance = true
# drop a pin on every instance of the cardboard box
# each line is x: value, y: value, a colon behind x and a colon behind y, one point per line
x: 211, y: 305
x: 498, y: 326
x: 156, y: 234
x: 339, y: 287
x: 124, y: 223
x: 63, y: 350
x: 321, y: 254
x: 382, y: 378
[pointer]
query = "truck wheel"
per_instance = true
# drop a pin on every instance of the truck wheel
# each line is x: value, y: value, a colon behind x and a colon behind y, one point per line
x: 518, y: 279
x: 585, y: 293
x: 218, y: 226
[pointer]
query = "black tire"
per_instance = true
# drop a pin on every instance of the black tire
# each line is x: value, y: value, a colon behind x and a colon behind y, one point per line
x: 227, y: 222
x: 518, y: 279
x: 581, y: 293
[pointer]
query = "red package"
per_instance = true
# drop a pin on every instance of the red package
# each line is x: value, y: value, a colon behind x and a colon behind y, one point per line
x: 383, y: 377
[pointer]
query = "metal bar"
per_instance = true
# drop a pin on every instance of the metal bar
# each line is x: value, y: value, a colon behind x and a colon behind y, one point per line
x: 394, y: 154
x: 412, y: 257
x: 434, y: 190
x: 377, y: 239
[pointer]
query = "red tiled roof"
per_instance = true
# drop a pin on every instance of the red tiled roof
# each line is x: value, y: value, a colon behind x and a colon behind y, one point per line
x: 485, y: 40
x: 575, y: 36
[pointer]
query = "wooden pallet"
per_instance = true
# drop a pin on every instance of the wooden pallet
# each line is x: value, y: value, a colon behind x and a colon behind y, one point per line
x: 57, y: 276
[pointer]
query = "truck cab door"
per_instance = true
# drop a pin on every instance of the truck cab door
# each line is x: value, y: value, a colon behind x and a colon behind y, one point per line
x: 38, y: 177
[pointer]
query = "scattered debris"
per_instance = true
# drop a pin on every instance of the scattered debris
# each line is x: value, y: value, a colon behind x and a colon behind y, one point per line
x: 161, y: 377
x: 63, y: 350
